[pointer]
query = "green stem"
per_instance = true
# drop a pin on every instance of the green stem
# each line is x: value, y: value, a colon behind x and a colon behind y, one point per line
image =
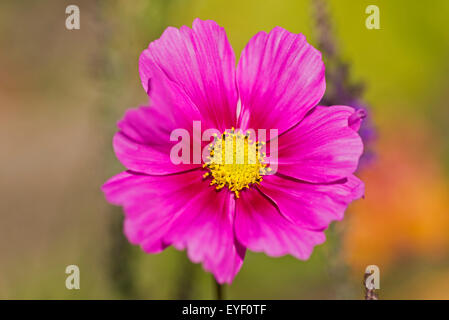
x: 219, y: 290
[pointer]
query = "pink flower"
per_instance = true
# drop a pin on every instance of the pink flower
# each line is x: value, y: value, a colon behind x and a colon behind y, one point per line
x: 191, y: 75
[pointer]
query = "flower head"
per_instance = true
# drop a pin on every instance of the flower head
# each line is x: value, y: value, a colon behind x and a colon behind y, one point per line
x: 240, y: 190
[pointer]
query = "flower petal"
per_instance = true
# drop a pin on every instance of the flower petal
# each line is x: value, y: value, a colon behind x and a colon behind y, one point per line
x: 143, y: 142
x: 312, y: 206
x: 206, y: 230
x: 150, y: 203
x: 201, y: 61
x: 321, y: 148
x: 183, y: 210
x: 259, y: 226
x: 280, y: 77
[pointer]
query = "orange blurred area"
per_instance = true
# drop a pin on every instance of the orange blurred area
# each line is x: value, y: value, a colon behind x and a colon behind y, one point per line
x: 405, y: 211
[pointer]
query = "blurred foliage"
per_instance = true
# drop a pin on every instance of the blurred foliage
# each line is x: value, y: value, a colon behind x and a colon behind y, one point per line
x: 61, y: 93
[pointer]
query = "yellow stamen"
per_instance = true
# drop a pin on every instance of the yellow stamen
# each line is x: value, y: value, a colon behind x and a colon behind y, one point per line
x: 235, y: 161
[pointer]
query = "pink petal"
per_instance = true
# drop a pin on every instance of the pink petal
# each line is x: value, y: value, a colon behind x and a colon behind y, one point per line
x: 150, y: 203
x: 260, y: 227
x: 322, y: 148
x: 280, y: 77
x: 312, y: 206
x: 201, y: 62
x: 355, y: 120
x: 206, y: 230
x: 183, y: 210
x: 143, y: 142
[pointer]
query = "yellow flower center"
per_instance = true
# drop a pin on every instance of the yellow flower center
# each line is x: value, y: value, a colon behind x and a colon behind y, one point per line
x: 235, y: 161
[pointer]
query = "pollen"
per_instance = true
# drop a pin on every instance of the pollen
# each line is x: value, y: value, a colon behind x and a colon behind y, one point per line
x: 235, y: 161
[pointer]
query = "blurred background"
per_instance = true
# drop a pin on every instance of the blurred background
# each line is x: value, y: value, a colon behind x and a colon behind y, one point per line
x: 62, y: 92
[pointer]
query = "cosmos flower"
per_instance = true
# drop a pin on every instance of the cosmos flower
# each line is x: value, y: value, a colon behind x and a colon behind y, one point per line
x: 214, y: 209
